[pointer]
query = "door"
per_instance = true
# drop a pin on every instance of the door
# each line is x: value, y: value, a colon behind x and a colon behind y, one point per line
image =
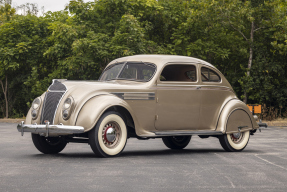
x: 213, y: 96
x: 178, y: 98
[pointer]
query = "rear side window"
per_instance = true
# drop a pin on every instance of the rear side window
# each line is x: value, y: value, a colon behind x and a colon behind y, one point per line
x: 179, y: 73
x: 208, y: 75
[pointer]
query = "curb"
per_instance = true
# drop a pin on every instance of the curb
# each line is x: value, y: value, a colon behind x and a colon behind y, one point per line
x: 276, y: 123
x: 11, y: 120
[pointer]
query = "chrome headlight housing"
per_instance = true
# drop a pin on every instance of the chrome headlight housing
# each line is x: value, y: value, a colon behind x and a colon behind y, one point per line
x: 35, y: 107
x: 67, y: 107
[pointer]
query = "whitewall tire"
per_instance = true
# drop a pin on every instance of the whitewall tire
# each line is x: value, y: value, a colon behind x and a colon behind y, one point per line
x: 108, y: 138
x: 235, y: 141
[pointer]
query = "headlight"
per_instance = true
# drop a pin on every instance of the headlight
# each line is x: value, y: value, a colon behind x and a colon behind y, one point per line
x: 67, y: 108
x: 67, y: 103
x: 35, y: 107
x: 36, y: 103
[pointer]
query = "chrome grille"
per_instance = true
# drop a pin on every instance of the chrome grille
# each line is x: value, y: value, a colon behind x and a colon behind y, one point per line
x: 51, y: 101
x: 57, y: 86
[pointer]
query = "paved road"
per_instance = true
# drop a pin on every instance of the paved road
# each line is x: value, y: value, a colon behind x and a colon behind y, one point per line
x: 145, y: 166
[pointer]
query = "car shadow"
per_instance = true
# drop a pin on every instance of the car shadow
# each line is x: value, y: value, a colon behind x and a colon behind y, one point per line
x: 178, y: 152
x: 134, y: 153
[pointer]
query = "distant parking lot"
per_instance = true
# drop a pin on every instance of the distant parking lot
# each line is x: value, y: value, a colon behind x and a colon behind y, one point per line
x: 145, y: 166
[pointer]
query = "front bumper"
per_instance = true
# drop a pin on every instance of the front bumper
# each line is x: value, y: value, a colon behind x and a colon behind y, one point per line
x: 47, y: 129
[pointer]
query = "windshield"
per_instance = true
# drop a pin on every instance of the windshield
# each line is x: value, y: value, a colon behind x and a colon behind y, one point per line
x: 133, y: 71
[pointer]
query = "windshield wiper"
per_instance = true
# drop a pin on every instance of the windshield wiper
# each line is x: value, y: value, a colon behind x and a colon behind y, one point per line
x: 116, y: 79
x: 110, y: 79
x: 125, y: 79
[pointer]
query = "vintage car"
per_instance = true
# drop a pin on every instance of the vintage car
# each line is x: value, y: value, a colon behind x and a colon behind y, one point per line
x: 141, y: 96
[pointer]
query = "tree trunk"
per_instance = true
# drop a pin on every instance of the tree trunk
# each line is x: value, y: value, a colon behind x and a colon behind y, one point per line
x: 5, y: 94
x: 250, y: 58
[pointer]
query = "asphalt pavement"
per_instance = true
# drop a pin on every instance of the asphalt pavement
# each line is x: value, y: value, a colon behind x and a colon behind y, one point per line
x: 145, y: 166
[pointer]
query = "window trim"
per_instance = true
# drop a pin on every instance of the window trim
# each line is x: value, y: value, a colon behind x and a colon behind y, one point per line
x: 209, y: 69
x: 127, y: 62
x: 178, y: 82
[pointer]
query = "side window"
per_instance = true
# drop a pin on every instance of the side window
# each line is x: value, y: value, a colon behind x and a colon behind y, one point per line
x: 179, y: 73
x: 208, y: 75
x: 138, y: 71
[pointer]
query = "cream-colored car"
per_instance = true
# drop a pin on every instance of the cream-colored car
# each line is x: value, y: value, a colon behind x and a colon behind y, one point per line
x: 142, y: 96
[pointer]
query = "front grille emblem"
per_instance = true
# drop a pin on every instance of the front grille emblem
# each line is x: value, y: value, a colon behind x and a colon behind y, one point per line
x: 46, y: 121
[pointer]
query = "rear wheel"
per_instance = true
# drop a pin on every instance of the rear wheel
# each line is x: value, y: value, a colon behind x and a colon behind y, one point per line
x: 109, y: 137
x: 234, y: 142
x: 48, y: 145
x: 176, y: 142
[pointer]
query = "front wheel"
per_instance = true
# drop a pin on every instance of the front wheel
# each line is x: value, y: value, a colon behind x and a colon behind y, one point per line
x: 108, y: 138
x: 176, y: 142
x: 48, y: 145
x: 234, y: 142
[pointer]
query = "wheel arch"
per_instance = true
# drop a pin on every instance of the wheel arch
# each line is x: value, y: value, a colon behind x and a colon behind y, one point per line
x: 235, y: 112
x: 126, y: 115
x: 95, y: 107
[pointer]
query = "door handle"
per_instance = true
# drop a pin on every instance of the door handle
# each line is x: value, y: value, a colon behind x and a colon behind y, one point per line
x: 198, y: 87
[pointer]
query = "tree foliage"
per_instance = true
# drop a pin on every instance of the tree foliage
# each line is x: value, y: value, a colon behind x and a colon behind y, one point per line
x: 246, y: 40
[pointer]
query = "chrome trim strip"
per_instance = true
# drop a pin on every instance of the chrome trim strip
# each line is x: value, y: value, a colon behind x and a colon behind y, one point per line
x: 176, y: 85
x: 49, y: 129
x: 182, y: 85
x: 219, y: 86
x: 178, y: 88
x: 175, y: 133
x: 135, y: 95
x: 193, y: 87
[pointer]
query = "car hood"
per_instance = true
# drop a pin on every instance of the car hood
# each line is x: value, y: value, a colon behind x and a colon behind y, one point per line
x: 83, y: 90
x: 99, y: 85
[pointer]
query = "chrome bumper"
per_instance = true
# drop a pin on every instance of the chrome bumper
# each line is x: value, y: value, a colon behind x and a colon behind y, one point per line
x: 47, y: 129
x: 262, y: 124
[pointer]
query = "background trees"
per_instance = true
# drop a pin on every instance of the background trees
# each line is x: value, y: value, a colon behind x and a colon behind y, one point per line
x: 246, y: 40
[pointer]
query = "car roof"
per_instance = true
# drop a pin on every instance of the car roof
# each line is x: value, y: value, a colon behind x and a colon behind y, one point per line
x: 160, y: 60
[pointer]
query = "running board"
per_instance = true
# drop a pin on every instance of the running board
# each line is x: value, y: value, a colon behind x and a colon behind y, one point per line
x: 175, y: 133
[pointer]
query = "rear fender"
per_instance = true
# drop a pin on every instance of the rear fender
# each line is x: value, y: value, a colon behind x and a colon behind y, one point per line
x: 235, y: 115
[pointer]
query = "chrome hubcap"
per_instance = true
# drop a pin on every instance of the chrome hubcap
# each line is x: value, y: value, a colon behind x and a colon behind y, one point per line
x: 237, y: 137
x: 111, y: 134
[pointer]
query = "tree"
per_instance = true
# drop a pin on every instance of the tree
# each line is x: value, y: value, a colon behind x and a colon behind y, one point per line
x: 28, y: 9
x: 22, y: 43
x: 245, y: 40
x: 6, y: 14
x: 6, y: 11
x: 248, y: 18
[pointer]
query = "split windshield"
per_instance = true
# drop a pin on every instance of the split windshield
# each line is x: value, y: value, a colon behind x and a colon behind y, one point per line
x: 133, y: 71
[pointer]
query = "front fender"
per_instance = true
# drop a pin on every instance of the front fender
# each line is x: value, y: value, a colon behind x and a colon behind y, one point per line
x: 28, y: 119
x: 235, y: 111
x: 93, y: 109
